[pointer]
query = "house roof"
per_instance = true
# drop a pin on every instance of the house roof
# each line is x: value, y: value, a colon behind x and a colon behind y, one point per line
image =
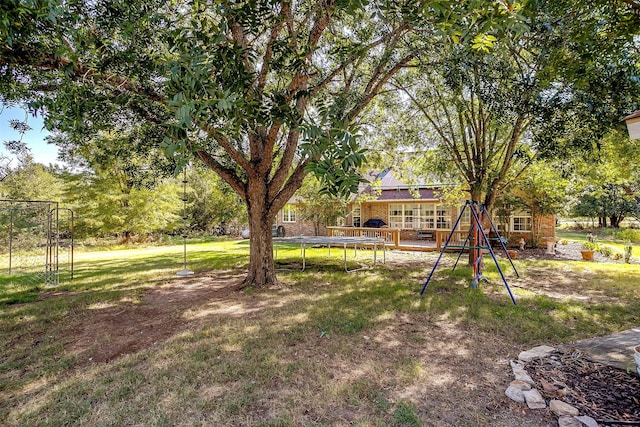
x: 406, y: 194
x: 387, y: 187
x: 634, y: 115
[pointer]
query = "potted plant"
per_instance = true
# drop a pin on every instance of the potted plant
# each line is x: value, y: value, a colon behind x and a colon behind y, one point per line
x: 588, y: 248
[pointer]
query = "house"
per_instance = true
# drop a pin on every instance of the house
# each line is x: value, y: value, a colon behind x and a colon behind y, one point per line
x: 419, y: 214
x: 290, y: 220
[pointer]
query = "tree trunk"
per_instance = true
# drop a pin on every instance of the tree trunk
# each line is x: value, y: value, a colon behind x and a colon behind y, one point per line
x: 262, y: 272
x: 476, y: 236
x: 616, y: 220
x: 602, y: 222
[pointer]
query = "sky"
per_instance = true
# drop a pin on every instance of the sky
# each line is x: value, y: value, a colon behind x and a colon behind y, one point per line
x: 35, y: 138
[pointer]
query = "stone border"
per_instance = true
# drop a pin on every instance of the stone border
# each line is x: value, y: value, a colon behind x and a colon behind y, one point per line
x: 523, y: 390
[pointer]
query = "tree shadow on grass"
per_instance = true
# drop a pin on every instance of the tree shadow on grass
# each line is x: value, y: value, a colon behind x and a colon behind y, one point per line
x: 328, y: 347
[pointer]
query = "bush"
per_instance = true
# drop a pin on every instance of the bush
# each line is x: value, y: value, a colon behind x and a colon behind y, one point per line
x: 628, y: 234
x: 606, y: 251
x: 617, y: 256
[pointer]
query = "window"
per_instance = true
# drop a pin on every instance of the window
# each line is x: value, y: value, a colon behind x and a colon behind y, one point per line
x: 443, y: 217
x: 427, y: 213
x: 396, y: 216
x: 520, y: 221
x: 289, y: 213
x: 356, y: 216
x: 419, y: 216
x: 465, y: 219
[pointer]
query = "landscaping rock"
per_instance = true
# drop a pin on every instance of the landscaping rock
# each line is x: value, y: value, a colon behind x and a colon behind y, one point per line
x: 535, y: 353
x: 588, y: 421
x: 568, y: 421
x: 534, y: 399
x: 522, y: 375
x: 516, y: 389
x: 560, y: 408
x: 516, y: 364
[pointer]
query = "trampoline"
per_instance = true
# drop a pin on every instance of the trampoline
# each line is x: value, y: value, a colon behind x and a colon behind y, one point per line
x: 329, y: 241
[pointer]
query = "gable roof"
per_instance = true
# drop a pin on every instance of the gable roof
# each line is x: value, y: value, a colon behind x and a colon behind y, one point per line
x: 386, y: 186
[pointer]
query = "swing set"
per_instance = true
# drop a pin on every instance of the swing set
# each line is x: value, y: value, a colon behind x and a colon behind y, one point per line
x: 479, y: 241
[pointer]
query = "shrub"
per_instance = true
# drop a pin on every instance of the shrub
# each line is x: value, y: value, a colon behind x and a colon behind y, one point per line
x: 627, y: 253
x: 616, y: 255
x: 606, y: 251
x: 628, y: 234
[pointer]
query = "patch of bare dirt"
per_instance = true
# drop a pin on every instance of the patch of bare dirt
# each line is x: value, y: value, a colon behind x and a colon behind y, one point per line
x: 107, y: 331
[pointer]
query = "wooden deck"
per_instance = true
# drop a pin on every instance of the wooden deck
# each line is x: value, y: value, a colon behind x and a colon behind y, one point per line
x: 392, y: 239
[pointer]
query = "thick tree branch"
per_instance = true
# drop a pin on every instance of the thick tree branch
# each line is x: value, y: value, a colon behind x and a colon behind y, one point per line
x: 79, y: 74
x: 634, y: 4
x: 266, y: 59
x: 284, y: 168
x: 227, y: 146
x: 368, y: 96
x: 227, y: 174
x: 288, y: 190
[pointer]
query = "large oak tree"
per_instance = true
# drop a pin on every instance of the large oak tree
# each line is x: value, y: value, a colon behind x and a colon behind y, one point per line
x: 262, y: 92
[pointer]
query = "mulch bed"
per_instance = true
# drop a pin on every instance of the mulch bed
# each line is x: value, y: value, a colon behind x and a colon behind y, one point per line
x: 610, y: 396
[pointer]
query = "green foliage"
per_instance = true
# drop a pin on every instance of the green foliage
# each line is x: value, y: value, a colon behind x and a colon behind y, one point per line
x: 590, y: 246
x: 605, y: 250
x: 211, y: 204
x: 607, y: 183
x: 105, y: 206
x: 405, y: 414
x: 318, y: 207
x: 31, y: 181
x: 628, y: 234
x: 542, y: 189
x: 628, y: 249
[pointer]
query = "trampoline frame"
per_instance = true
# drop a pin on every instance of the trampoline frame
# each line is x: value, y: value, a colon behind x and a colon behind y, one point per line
x: 329, y: 241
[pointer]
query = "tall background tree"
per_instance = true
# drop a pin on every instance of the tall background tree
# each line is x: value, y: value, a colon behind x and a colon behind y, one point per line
x: 261, y: 92
x: 606, y: 183
x: 552, y: 90
x: 213, y: 207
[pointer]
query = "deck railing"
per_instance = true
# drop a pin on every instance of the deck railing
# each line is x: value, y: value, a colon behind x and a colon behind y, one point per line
x: 391, y: 236
x: 457, y: 238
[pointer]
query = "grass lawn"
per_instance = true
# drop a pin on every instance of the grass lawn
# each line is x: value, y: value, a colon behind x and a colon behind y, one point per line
x: 603, y: 239
x: 128, y: 343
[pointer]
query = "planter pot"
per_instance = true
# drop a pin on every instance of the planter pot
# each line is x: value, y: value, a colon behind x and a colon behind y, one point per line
x: 551, y: 248
x: 513, y: 254
x: 587, y: 255
x: 636, y: 356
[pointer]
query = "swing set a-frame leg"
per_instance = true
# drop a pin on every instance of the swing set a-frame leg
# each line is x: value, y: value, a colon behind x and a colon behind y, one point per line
x: 493, y: 256
x: 478, y: 263
x: 446, y: 244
